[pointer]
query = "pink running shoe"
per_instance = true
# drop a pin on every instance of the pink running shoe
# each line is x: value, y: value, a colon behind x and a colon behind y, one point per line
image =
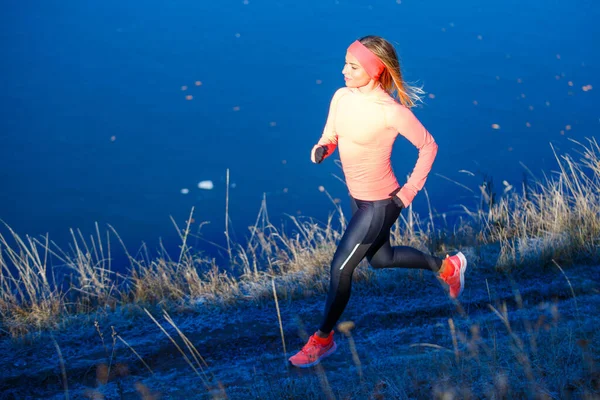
x: 454, y: 273
x: 313, y: 351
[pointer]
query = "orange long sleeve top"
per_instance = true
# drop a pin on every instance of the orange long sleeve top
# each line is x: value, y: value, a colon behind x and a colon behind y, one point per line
x: 364, y: 127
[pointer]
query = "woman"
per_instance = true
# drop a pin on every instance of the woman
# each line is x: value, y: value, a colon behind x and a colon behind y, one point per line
x: 363, y: 122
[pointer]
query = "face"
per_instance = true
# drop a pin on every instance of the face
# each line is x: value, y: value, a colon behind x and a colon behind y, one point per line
x: 354, y: 74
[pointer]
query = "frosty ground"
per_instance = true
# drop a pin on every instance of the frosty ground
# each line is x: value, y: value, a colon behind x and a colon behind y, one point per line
x: 529, y: 333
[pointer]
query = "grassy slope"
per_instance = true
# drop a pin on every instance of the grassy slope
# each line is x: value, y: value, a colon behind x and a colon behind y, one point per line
x: 403, y: 344
x: 522, y: 337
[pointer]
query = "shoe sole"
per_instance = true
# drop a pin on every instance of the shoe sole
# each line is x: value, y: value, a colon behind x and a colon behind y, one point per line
x: 463, y: 268
x: 318, y: 360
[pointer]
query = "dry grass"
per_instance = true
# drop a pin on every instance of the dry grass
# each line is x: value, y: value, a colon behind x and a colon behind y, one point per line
x: 29, y: 298
x: 558, y: 219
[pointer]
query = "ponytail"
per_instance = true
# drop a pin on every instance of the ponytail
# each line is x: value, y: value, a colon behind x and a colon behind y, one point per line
x: 391, y: 78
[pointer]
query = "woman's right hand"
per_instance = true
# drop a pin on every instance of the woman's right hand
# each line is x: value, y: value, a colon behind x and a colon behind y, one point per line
x: 318, y: 153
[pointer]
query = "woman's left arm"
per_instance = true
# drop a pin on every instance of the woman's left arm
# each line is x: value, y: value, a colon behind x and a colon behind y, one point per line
x: 407, y: 124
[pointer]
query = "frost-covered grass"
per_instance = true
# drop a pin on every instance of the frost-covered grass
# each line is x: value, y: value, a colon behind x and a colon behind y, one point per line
x: 555, y: 222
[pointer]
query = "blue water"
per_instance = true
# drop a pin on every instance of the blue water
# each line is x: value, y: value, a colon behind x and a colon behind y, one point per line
x: 95, y: 125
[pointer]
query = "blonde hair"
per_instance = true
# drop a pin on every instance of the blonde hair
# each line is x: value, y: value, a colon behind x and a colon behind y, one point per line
x: 391, y: 77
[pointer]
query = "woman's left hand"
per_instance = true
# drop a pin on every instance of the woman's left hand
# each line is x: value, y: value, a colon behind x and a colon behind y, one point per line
x: 397, y: 201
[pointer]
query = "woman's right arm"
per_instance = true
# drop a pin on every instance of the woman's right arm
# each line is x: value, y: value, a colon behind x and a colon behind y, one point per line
x: 328, y: 142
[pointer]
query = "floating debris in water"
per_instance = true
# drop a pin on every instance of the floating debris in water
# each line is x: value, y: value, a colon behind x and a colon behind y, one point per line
x: 272, y: 123
x: 527, y: 124
x: 475, y: 102
x: 318, y: 81
x: 236, y: 108
x: 586, y: 88
x: 495, y: 126
x: 185, y: 191
x: 431, y: 96
x: 479, y: 37
x: 189, y: 97
x: 507, y: 186
x: 568, y: 127
x: 206, y: 185
x: 558, y: 56
x: 519, y: 80
x: 570, y: 83
x: 531, y: 108
x: 321, y: 188
x: 184, y: 87
x: 237, y: 35
x: 113, y: 138
x: 198, y: 83
x: 285, y: 190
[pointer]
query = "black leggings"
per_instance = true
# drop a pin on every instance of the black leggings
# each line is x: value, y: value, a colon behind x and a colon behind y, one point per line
x: 368, y: 234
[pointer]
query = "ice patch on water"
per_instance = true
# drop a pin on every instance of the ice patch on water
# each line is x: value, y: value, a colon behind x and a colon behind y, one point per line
x: 206, y: 185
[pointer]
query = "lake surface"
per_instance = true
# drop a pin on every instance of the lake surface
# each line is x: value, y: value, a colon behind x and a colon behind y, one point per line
x: 97, y: 124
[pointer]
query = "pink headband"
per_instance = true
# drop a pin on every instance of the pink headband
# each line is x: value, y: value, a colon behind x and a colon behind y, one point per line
x: 369, y: 61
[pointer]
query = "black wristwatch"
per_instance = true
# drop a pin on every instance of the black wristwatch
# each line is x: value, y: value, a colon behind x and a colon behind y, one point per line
x: 396, y: 199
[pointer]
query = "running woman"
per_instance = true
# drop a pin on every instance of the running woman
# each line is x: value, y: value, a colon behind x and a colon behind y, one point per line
x: 363, y: 122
